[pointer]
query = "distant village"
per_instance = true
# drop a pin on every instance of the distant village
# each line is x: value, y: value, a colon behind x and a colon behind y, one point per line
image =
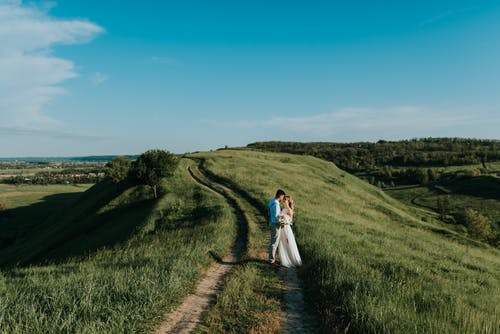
x: 51, y: 172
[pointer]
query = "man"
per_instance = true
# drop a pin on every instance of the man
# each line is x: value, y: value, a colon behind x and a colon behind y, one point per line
x: 274, y: 211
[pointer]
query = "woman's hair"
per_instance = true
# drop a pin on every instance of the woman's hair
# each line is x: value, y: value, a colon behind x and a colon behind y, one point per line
x: 289, y: 198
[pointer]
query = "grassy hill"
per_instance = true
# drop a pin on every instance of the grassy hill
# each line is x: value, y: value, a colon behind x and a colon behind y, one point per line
x: 450, y: 176
x: 24, y: 207
x: 111, y: 261
x: 372, y: 263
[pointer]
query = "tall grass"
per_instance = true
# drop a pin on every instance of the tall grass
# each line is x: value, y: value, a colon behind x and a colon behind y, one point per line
x: 250, y: 301
x: 24, y: 207
x: 371, y: 264
x: 127, y: 286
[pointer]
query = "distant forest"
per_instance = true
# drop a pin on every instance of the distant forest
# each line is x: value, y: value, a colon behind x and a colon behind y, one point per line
x: 365, y: 156
x: 394, y: 163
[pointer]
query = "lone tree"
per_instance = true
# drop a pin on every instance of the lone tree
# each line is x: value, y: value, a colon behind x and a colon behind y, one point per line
x: 118, y: 168
x: 153, y: 165
x: 479, y: 225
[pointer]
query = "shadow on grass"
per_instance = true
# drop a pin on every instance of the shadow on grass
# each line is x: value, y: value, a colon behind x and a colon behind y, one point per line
x: 199, y: 216
x: 98, y: 231
x: 64, y: 226
x: 17, y: 223
x: 487, y: 187
x: 219, y: 260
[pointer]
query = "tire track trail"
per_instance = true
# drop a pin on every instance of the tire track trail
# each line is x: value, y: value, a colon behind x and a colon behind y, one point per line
x: 295, y: 318
x: 185, y: 318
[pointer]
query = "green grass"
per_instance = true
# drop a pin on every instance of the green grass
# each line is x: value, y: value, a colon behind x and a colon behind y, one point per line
x: 24, y: 207
x: 250, y: 301
x: 28, y: 172
x: 481, y: 193
x: 371, y: 263
x: 14, y: 196
x: 96, y: 283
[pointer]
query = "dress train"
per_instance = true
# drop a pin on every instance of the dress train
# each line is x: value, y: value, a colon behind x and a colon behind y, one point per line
x: 287, y: 248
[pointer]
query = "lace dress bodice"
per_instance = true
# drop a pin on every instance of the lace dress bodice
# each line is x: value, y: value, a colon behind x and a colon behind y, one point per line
x: 287, y: 219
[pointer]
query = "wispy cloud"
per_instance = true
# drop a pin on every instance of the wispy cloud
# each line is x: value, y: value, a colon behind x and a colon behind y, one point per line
x: 360, y: 123
x: 31, y: 75
x: 42, y: 132
x: 98, y: 78
x: 445, y: 15
x: 436, y: 18
x: 165, y: 61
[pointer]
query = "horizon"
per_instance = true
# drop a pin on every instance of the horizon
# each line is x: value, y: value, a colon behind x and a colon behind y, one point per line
x: 237, y: 147
x: 87, y: 79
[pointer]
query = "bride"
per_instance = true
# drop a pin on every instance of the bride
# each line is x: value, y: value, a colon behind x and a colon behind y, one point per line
x: 287, y: 248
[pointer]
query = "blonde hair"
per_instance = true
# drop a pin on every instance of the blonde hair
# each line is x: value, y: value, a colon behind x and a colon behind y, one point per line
x: 289, y: 198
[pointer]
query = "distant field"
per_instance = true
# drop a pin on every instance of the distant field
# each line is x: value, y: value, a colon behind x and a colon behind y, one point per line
x: 428, y: 197
x: 372, y: 264
x: 46, y: 171
x: 19, y: 195
x: 5, y: 173
x: 24, y: 207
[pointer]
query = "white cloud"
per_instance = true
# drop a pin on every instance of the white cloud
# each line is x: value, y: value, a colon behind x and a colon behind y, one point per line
x: 30, y: 73
x: 355, y: 124
x: 53, y: 133
x: 98, y: 78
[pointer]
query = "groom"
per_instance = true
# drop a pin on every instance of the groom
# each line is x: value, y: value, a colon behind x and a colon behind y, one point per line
x: 274, y: 212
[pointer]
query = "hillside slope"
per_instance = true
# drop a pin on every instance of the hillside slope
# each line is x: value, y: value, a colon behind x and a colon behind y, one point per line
x: 61, y: 226
x: 372, y: 264
x: 114, y: 262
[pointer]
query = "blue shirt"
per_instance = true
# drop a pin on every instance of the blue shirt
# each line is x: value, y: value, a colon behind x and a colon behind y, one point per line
x: 274, y: 211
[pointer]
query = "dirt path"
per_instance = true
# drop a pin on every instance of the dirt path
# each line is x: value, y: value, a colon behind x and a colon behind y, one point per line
x: 185, y: 318
x: 295, y: 319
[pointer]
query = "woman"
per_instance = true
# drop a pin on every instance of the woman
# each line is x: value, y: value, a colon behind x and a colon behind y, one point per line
x: 288, y: 251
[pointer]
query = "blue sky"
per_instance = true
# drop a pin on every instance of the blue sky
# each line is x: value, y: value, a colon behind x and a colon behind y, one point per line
x: 120, y: 77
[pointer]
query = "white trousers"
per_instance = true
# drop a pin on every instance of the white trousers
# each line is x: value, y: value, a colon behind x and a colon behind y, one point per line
x: 275, y: 240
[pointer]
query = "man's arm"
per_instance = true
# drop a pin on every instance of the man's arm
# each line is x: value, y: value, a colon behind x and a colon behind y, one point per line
x: 274, y: 212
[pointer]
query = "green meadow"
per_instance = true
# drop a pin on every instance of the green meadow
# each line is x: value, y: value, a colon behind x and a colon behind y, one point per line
x: 111, y: 261
x: 24, y: 207
x: 372, y: 264
x: 481, y: 193
x: 251, y: 298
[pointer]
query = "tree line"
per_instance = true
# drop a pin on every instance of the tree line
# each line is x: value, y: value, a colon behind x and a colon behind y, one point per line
x: 424, y: 152
x: 410, y: 162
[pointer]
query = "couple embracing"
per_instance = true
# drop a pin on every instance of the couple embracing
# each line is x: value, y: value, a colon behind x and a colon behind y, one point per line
x: 282, y: 238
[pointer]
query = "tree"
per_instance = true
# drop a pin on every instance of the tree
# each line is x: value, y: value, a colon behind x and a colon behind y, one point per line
x: 422, y: 176
x: 479, y: 225
x: 443, y: 207
x: 388, y: 171
x: 118, y: 169
x: 432, y: 175
x: 153, y: 165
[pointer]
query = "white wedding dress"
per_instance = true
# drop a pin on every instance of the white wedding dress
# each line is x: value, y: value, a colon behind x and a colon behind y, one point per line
x: 287, y: 248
